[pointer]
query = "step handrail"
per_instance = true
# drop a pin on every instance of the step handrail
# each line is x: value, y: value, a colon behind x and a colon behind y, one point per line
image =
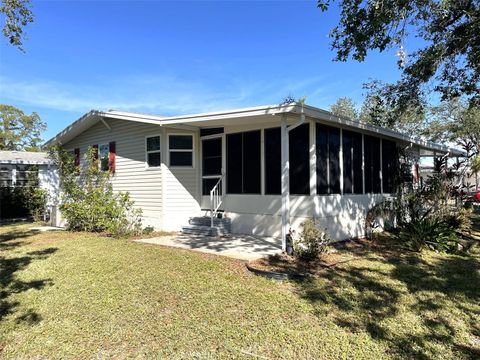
x: 216, y: 198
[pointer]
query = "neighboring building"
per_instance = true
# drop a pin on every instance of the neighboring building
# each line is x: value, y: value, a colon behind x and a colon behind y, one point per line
x: 269, y: 167
x: 19, y: 167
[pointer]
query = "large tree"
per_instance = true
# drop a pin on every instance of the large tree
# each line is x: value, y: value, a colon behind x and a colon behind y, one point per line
x: 345, y: 107
x: 19, y: 131
x: 15, y: 15
x: 454, y: 121
x: 448, y: 60
x: 378, y: 110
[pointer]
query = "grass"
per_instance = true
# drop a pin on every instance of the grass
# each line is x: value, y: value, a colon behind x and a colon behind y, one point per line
x: 84, y: 296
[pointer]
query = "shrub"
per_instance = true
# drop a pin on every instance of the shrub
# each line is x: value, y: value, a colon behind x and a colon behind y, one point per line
x: 310, y: 242
x: 34, y: 200
x: 23, y: 201
x: 88, y: 202
x: 430, y: 232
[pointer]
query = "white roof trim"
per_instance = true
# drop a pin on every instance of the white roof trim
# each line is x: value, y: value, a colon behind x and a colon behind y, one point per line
x: 310, y: 111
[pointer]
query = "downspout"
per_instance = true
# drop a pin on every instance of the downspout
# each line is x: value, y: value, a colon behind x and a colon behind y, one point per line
x: 285, y: 130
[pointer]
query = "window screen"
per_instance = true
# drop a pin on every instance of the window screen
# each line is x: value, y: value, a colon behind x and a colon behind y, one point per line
x: 334, y: 160
x: 181, y: 150
x: 103, y: 151
x: 251, y: 162
x: 322, y: 159
x: 243, y: 163
x: 372, y: 164
x: 212, y: 157
x: 352, y: 163
x: 234, y: 163
x: 347, y: 140
x: 153, y: 151
x: 389, y: 165
x: 328, y: 159
x: 273, y: 161
x: 299, y: 160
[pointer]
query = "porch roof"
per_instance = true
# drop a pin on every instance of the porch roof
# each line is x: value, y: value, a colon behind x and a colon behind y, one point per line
x: 260, y: 114
x: 24, y: 157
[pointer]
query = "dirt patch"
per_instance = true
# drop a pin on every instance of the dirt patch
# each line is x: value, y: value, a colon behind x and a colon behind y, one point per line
x: 336, y: 254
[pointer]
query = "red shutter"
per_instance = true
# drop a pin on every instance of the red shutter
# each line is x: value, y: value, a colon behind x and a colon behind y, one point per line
x: 111, y: 156
x: 77, y: 158
x: 95, y: 153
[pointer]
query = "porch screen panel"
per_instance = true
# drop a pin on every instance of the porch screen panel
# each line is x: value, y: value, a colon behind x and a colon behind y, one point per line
x: 212, y: 157
x: 328, y: 159
x: 322, y: 159
x: 347, y: 141
x: 251, y: 162
x: 299, y: 160
x: 334, y: 160
x: 243, y: 163
x: 372, y: 164
x: 389, y: 165
x: 273, y: 161
x: 357, y: 163
x: 234, y: 163
x: 352, y: 163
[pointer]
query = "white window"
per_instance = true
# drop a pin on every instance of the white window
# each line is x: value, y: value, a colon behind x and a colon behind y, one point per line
x: 153, y: 155
x: 181, y: 150
x: 103, y: 153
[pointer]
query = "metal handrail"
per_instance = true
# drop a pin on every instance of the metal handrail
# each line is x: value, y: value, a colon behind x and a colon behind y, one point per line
x: 216, y: 198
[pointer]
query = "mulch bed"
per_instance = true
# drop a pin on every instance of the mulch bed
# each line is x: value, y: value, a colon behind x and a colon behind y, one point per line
x: 283, y: 266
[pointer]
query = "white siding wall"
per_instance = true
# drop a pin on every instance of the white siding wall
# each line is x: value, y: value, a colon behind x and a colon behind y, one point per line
x: 342, y: 216
x: 48, y: 179
x: 169, y: 196
x: 163, y: 210
x: 181, y: 196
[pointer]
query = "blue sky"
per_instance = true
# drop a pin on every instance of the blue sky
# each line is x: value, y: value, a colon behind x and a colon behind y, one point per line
x: 171, y: 58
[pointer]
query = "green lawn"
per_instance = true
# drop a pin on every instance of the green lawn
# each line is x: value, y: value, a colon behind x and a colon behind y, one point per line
x: 84, y: 296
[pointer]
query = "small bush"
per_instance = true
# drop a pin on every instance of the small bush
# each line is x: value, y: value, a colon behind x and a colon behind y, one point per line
x: 88, y: 202
x: 34, y: 200
x: 19, y: 202
x: 432, y: 232
x: 310, y: 242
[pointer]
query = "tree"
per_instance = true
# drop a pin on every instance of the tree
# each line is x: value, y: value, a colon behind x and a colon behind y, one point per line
x: 345, y: 107
x: 455, y: 122
x: 448, y: 60
x: 16, y: 14
x: 19, y: 131
x: 378, y: 110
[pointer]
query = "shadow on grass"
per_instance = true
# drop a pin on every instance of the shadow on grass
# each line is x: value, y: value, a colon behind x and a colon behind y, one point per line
x: 10, y: 284
x: 359, y: 297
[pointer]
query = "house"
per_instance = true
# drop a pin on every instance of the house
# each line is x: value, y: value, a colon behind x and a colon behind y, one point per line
x: 18, y: 167
x: 266, y: 169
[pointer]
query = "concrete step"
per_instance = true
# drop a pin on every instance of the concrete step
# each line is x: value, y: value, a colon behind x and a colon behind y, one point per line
x: 196, y: 230
x: 206, y: 221
x: 205, y: 230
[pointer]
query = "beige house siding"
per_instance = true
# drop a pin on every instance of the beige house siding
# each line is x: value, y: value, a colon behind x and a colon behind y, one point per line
x: 163, y: 210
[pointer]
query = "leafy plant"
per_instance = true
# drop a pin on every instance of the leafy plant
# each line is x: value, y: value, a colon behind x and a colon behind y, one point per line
x: 28, y: 200
x: 432, y: 232
x: 310, y: 242
x: 88, y: 201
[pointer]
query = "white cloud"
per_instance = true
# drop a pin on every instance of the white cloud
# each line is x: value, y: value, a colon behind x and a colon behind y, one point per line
x: 163, y: 95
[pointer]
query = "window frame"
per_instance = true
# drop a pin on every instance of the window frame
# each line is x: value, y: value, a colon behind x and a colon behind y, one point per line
x: 192, y: 151
x: 148, y: 167
x: 99, y: 159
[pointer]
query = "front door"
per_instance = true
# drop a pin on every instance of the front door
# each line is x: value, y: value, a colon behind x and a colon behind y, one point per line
x: 211, y: 163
